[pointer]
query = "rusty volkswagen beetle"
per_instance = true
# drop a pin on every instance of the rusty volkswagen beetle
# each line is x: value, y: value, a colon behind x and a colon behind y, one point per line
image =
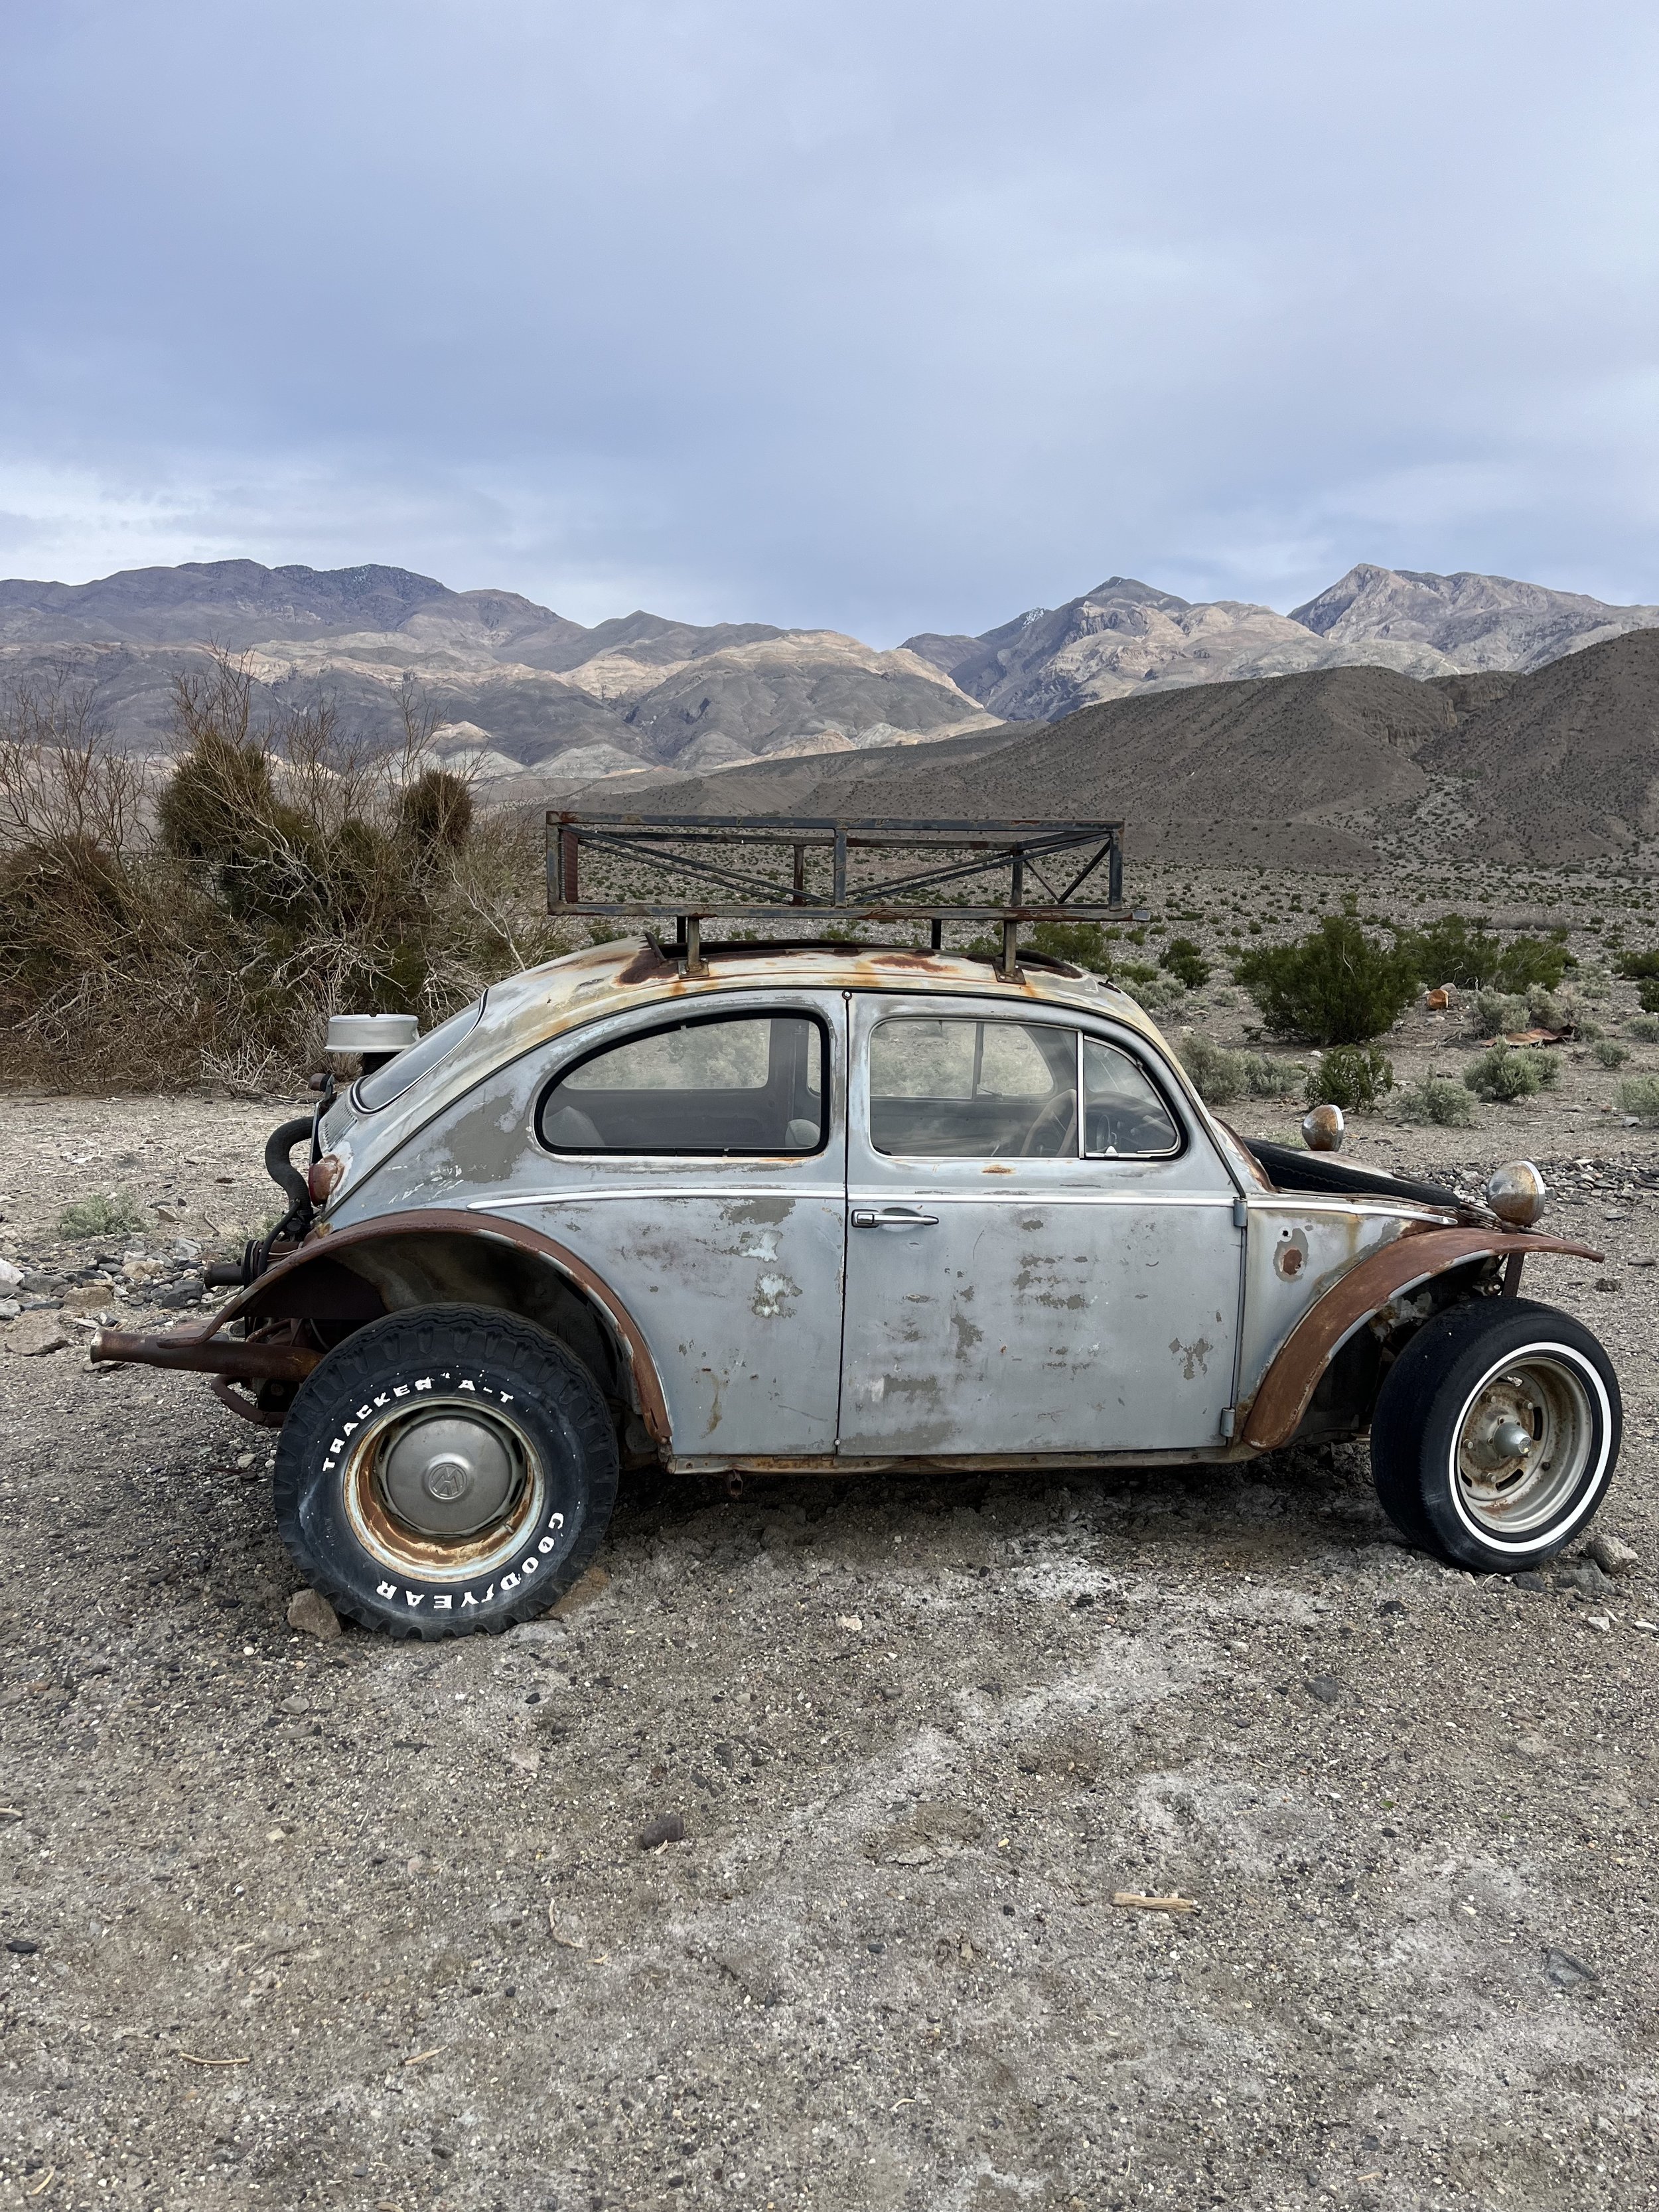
x: 834, y: 1208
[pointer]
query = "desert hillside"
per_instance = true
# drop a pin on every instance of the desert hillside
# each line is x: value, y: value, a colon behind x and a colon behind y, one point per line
x: 1328, y: 769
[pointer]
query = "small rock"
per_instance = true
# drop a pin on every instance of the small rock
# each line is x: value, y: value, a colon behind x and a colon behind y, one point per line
x: 310, y: 1611
x: 22, y: 1946
x: 850, y: 1622
x: 11, y: 1279
x: 1391, y: 1605
x: 1530, y: 1579
x: 1584, y: 1577
x: 1563, y: 1971
x: 88, y: 1298
x: 185, y: 1292
x: 1601, y: 1622
x: 1607, y: 1283
x: 1613, y: 1556
x: 35, y: 1333
x: 666, y: 1828
x: 1326, y: 1688
x: 9, y: 1308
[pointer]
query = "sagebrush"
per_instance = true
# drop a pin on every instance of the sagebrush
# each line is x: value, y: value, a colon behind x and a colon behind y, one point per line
x: 1220, y: 1076
x: 1438, y: 1100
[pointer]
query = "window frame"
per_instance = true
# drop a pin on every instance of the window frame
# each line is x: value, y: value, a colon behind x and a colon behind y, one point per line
x: 1137, y: 1060
x: 562, y: 1074
x: 1026, y: 1018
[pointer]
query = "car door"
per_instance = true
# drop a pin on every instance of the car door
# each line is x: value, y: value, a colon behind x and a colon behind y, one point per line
x: 694, y: 1158
x: 1042, y: 1252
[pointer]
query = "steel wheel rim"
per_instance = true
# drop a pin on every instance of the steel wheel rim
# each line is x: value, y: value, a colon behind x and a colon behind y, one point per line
x: 1508, y: 1488
x: 382, y: 1488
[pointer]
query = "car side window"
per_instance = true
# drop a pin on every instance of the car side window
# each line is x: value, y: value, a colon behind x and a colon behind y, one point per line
x: 954, y: 1087
x: 726, y: 1084
x: 1123, y: 1116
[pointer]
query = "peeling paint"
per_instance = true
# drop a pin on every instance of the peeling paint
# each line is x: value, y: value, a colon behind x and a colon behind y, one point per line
x: 770, y: 1293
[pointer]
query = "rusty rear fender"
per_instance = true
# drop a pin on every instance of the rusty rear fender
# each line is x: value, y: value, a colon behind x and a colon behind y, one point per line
x: 433, y: 1255
x: 1399, y: 1268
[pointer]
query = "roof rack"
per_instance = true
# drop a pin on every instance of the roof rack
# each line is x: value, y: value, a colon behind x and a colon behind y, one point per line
x: 705, y: 867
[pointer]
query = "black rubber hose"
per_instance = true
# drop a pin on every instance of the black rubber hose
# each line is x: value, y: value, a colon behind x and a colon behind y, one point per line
x: 281, y: 1170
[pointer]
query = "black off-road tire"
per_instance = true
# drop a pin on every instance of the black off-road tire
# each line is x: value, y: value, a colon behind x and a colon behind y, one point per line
x: 1439, y: 1434
x: 390, y: 1418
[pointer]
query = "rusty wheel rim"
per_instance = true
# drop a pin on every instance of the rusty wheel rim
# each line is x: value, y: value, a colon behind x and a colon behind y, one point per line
x: 1523, y: 1443
x: 445, y: 1490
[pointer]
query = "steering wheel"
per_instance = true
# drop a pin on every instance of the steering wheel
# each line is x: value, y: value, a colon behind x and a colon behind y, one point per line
x: 1061, y: 1110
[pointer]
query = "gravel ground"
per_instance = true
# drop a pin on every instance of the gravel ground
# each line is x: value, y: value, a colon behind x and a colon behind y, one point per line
x: 295, y: 1923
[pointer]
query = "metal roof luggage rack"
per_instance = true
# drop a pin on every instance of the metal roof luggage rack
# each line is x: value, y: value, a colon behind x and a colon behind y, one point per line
x: 706, y: 867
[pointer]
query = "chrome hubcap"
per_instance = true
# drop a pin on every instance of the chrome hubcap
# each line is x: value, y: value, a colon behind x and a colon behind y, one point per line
x: 1523, y: 1444
x: 448, y: 1476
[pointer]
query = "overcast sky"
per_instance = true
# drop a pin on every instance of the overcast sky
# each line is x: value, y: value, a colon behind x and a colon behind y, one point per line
x: 867, y: 314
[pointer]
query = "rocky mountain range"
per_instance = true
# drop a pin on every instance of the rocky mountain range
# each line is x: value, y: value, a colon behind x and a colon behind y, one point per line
x: 516, y: 687
x: 1334, y: 767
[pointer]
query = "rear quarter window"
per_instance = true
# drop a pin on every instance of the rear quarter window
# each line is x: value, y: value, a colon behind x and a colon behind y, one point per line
x: 723, y: 1085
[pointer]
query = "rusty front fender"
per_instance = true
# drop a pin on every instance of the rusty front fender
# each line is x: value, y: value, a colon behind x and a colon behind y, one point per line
x: 1293, y: 1374
x: 273, y: 1293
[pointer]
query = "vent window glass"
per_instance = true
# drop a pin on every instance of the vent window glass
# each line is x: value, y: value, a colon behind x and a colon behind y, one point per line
x: 385, y: 1085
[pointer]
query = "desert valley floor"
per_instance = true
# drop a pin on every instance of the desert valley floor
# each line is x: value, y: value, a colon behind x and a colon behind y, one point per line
x: 292, y: 1923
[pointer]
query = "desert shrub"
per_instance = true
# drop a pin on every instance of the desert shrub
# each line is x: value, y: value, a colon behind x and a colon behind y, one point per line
x: 1437, y: 1099
x: 1639, y: 967
x: 1218, y: 1076
x: 1638, y: 1096
x: 1496, y: 1012
x: 1154, y: 992
x: 1335, y: 986
x: 1184, y: 961
x: 1594, y: 979
x: 1645, y: 1028
x: 1648, y: 995
x: 284, y: 873
x: 103, y: 1213
x: 1264, y: 1076
x: 1082, y: 943
x: 1450, y: 951
x: 1561, y: 1009
x: 1534, y: 960
x: 1608, y: 1053
x: 1507, y: 1071
x: 1351, y: 1076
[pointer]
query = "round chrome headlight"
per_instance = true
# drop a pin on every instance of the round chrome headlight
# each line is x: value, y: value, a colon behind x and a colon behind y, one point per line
x: 1322, y: 1129
x: 1517, y: 1193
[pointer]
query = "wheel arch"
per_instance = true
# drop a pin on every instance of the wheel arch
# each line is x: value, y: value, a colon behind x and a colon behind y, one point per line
x: 439, y: 1256
x: 1399, y: 1269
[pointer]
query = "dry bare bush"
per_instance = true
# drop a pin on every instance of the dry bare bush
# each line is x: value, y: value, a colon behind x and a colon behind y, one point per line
x: 285, y: 872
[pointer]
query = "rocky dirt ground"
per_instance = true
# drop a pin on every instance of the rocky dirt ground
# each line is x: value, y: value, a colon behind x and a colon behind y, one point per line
x: 301, y: 1923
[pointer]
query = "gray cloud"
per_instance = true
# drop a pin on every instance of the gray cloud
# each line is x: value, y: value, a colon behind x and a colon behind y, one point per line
x: 880, y: 316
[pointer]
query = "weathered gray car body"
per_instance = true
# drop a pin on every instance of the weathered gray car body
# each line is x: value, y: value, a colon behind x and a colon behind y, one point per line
x: 848, y: 1308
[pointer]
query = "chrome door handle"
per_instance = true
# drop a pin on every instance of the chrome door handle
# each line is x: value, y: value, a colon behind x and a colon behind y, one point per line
x: 893, y: 1217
